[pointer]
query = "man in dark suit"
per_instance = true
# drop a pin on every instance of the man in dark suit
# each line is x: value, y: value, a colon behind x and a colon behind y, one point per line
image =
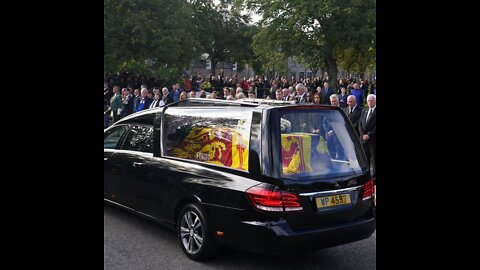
x: 325, y: 94
x: 368, y: 131
x: 333, y: 143
x: 301, y: 93
x: 353, y: 111
x: 127, y: 101
x: 167, y: 98
x: 136, y: 96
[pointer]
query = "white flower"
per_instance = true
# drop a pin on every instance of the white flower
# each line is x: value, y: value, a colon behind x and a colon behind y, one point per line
x: 285, y: 125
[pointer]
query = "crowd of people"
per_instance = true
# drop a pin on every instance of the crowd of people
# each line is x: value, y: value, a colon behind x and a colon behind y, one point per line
x: 126, y: 94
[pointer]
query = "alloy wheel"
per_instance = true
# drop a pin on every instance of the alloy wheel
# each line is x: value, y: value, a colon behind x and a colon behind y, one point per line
x: 191, y: 232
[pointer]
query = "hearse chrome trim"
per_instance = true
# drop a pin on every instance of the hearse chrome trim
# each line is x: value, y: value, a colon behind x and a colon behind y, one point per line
x: 343, y: 190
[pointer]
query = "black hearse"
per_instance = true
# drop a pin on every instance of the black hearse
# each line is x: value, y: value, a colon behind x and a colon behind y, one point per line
x: 259, y: 175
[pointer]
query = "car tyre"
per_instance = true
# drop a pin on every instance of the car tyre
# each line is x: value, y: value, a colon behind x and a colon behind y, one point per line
x: 194, y: 233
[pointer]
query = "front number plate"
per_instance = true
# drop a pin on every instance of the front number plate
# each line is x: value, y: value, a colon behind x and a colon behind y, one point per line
x: 333, y: 200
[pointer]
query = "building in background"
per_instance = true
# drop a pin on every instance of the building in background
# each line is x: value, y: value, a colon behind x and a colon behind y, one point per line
x: 294, y: 69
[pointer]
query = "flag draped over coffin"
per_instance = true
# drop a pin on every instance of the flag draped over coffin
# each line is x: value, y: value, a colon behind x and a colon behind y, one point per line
x: 297, y: 152
x: 221, y: 146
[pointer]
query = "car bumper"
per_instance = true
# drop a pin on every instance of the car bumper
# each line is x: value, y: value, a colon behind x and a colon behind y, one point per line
x: 277, y: 237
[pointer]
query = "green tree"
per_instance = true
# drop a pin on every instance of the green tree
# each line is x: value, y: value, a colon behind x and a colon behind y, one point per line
x: 269, y: 56
x: 323, y: 28
x: 357, y: 60
x: 149, y: 36
x: 223, y: 32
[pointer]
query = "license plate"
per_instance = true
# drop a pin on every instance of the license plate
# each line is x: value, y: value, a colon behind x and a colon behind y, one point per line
x: 333, y: 200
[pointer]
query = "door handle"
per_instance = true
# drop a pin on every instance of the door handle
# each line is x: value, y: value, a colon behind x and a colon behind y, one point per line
x: 138, y: 164
x: 105, y: 159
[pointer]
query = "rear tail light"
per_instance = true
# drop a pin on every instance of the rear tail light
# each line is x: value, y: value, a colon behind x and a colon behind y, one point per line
x: 291, y: 202
x: 368, y: 190
x: 272, y: 200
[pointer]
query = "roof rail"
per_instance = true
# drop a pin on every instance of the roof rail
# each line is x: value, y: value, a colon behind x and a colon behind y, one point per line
x: 268, y: 101
x: 211, y: 102
x: 248, y: 102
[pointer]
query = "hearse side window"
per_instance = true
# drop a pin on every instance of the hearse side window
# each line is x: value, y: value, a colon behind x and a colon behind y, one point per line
x: 112, y: 136
x: 211, y: 135
x: 139, y: 138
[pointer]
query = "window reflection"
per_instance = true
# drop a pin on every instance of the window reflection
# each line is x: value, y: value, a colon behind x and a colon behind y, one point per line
x: 140, y: 139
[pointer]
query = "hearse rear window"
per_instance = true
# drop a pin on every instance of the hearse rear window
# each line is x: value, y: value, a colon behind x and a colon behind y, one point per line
x: 316, y: 143
x: 214, y: 135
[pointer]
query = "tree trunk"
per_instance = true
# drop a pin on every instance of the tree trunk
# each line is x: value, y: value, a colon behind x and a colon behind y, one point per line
x: 332, y: 70
x: 214, y: 66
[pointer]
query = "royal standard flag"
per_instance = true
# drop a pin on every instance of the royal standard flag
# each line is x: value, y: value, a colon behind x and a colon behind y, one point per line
x: 221, y: 146
x: 297, y: 152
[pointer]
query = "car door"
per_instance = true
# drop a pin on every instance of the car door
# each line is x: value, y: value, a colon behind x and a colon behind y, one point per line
x: 134, y: 157
x: 111, y: 143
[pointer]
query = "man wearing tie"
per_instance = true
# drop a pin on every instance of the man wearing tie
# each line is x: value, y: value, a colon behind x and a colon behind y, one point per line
x: 167, y: 98
x: 353, y: 111
x: 368, y: 130
x: 301, y: 95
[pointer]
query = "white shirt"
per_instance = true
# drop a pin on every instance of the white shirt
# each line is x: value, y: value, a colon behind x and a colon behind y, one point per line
x: 153, y: 104
x: 352, y: 109
x: 370, y: 111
